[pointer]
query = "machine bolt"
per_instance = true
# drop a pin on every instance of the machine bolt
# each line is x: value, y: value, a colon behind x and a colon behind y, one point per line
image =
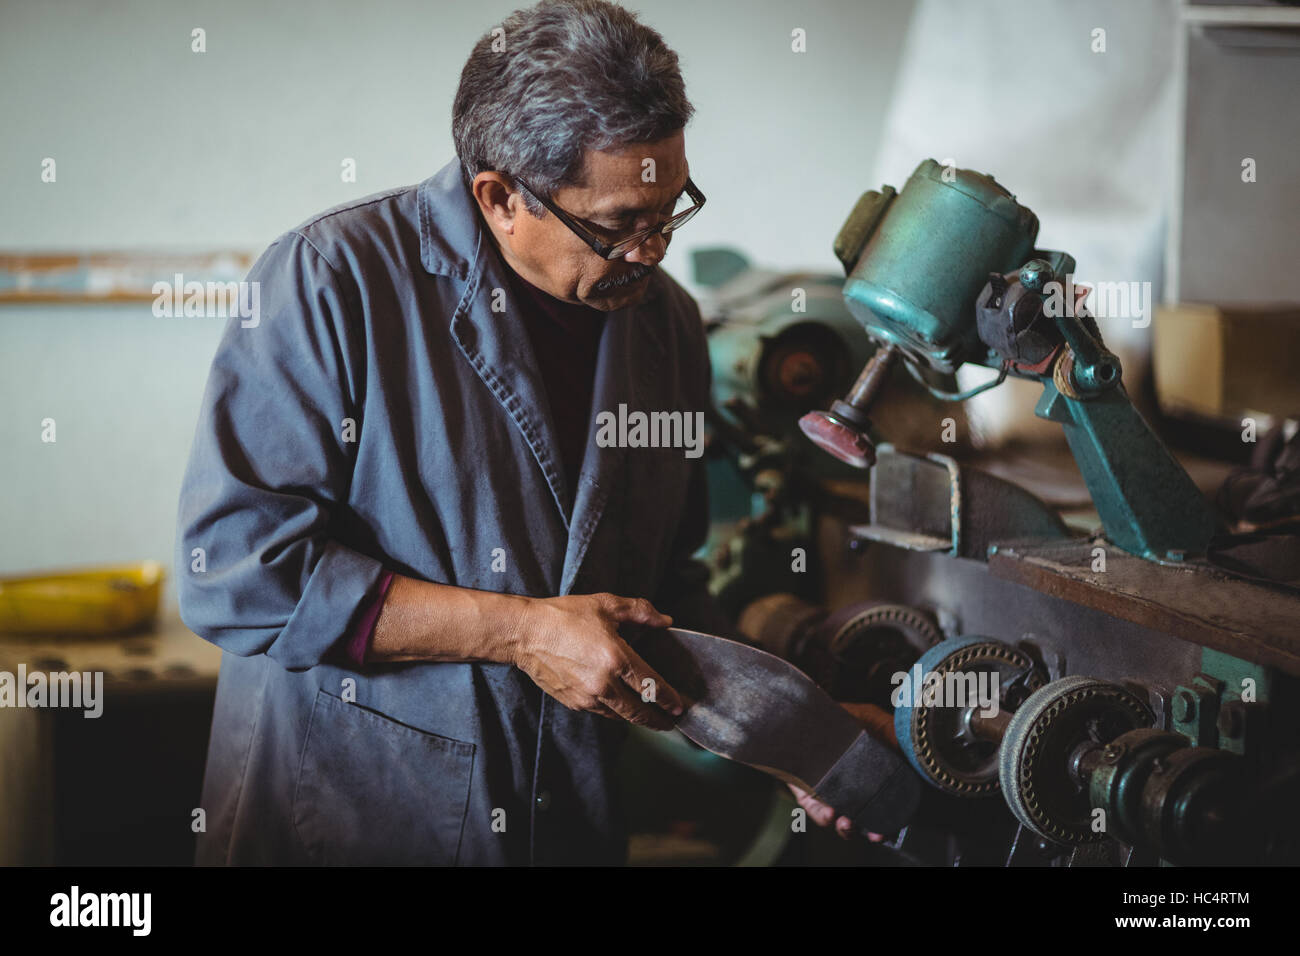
x: 1232, y: 719
x: 1035, y: 274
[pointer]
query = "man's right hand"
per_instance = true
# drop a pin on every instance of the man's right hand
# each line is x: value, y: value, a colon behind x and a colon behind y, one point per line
x: 571, y: 648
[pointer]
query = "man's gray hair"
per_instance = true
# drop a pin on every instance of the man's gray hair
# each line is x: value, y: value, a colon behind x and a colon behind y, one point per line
x: 565, y: 76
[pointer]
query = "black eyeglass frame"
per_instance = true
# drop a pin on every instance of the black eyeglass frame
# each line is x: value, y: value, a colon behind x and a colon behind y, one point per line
x: 607, y: 250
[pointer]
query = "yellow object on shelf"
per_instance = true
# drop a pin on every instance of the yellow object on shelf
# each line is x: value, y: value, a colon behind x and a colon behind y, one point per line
x: 104, y: 600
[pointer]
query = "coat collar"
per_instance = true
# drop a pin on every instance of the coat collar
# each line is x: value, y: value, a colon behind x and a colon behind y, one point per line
x: 454, y: 246
x: 453, y: 242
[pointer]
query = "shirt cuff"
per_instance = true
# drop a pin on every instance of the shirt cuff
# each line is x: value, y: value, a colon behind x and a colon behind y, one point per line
x: 359, y: 642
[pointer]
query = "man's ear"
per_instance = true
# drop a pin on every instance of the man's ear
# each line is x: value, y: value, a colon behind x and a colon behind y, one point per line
x: 497, y: 200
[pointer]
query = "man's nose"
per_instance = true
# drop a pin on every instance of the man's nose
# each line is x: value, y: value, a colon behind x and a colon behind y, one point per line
x: 650, y: 252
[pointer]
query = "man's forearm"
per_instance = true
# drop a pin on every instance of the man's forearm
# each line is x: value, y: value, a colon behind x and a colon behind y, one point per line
x: 569, y: 646
x: 425, y: 621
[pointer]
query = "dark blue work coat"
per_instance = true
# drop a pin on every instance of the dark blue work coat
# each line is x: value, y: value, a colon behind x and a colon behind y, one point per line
x: 380, y: 414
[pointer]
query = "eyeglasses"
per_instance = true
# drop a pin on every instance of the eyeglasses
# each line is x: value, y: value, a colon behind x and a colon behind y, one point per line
x: 622, y: 247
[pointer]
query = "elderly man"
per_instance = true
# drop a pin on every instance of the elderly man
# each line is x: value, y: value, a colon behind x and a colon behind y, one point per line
x: 397, y: 520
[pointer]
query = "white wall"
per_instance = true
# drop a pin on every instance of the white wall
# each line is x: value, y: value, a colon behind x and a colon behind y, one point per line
x: 159, y: 148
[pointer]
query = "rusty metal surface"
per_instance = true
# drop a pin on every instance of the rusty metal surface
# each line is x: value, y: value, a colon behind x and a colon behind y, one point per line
x: 1195, y: 603
x: 931, y: 503
x: 968, y: 599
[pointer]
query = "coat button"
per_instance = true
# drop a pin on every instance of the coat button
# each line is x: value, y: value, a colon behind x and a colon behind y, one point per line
x: 544, y: 800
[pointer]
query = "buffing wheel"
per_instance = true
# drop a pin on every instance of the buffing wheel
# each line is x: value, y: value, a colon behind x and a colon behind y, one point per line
x: 931, y: 735
x: 866, y: 644
x: 1034, y: 760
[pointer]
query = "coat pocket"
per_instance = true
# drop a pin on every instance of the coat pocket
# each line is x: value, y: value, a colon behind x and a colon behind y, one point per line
x: 372, y: 791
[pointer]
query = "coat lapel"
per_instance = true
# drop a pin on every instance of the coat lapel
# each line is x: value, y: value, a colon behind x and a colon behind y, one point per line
x: 631, y: 356
x: 496, y: 345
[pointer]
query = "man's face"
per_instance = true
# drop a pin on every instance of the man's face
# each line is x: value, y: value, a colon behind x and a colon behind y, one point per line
x: 614, y: 200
